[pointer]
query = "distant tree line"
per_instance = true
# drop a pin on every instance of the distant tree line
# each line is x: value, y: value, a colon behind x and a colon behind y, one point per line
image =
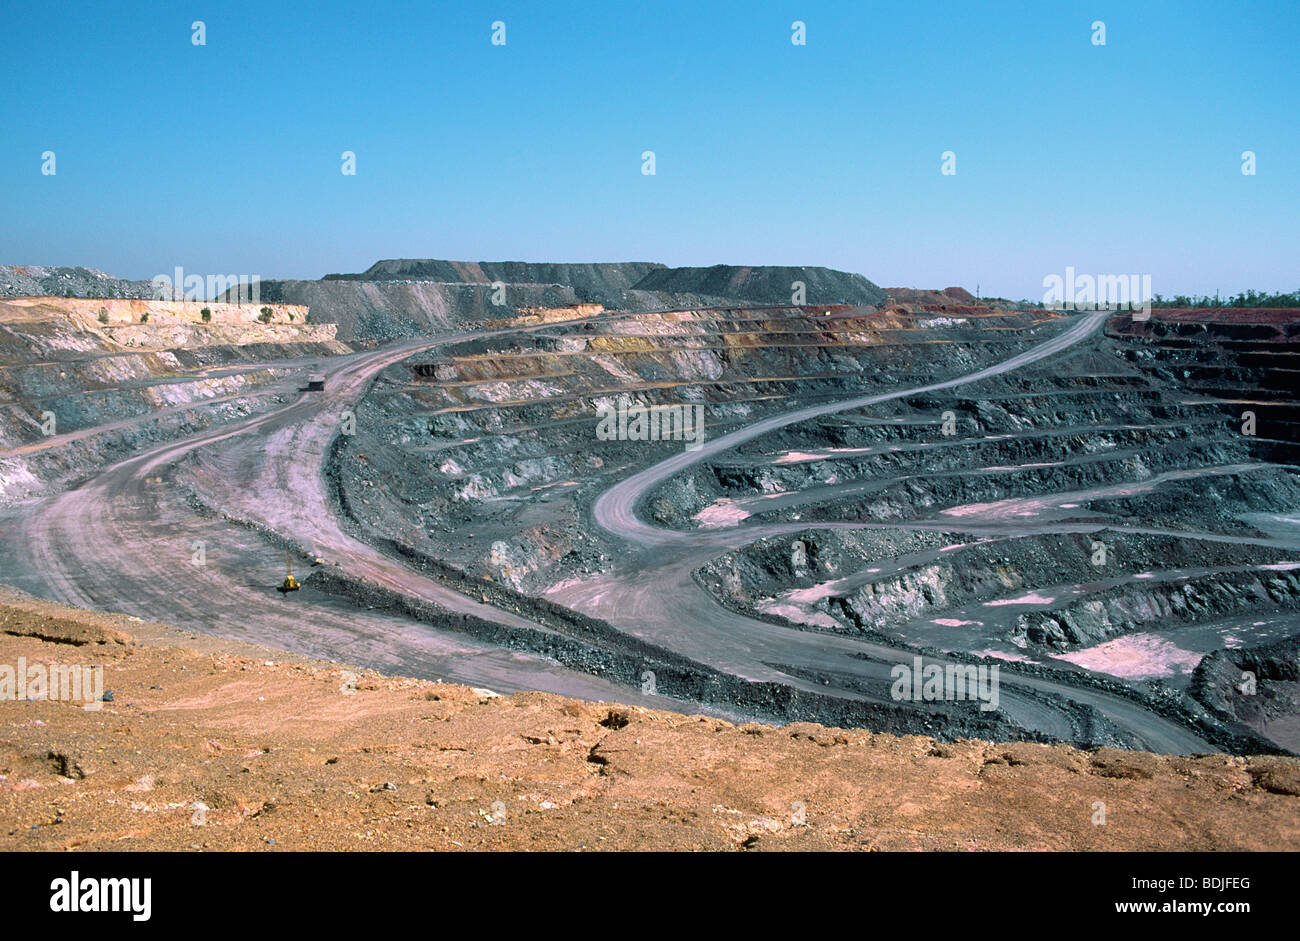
x: 1244, y: 299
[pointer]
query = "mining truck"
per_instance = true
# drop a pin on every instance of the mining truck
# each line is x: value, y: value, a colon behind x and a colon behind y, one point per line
x: 290, y: 583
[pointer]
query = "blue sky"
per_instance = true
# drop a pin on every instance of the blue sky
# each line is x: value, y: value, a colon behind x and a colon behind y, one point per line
x: 226, y: 158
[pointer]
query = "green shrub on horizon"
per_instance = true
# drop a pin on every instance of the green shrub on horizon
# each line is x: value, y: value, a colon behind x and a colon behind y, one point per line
x: 1250, y: 298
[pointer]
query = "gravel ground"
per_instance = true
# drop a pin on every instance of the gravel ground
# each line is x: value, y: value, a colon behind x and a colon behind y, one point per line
x: 213, y: 745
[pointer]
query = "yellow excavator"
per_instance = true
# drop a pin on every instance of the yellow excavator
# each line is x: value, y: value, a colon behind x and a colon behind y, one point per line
x: 290, y: 583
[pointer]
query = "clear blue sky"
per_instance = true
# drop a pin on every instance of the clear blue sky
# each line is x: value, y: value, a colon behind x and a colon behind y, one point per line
x: 226, y: 158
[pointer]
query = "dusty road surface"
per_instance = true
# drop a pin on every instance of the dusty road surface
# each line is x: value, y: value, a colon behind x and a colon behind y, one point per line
x: 214, y: 745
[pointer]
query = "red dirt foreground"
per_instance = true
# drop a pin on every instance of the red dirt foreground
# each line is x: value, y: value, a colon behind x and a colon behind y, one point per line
x: 214, y: 745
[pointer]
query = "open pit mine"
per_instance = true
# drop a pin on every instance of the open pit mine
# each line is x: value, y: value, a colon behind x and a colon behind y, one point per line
x: 758, y: 494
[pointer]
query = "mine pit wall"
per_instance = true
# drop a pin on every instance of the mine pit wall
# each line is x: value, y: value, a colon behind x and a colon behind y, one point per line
x: 379, y: 311
x: 1249, y: 357
x: 593, y: 646
x: 589, y: 278
x: 589, y: 645
x: 61, y: 282
x: 612, y: 283
x: 982, y: 572
x: 527, y: 420
x: 1127, y: 609
x: 371, y: 312
x: 475, y: 430
x: 975, y: 574
x: 546, y: 387
x: 71, y: 325
x: 903, y: 493
x: 86, y: 313
x: 1254, y: 686
x: 847, y: 551
x: 764, y: 284
x: 146, y: 378
x: 1076, y: 421
x: 46, y: 470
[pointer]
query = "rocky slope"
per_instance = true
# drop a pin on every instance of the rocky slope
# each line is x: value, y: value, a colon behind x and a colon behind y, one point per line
x: 599, y: 283
x: 1249, y: 358
x: 212, y: 745
x: 1090, y: 517
x: 406, y: 297
x: 86, y: 381
x: 43, y: 281
x: 377, y: 311
x: 765, y: 284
